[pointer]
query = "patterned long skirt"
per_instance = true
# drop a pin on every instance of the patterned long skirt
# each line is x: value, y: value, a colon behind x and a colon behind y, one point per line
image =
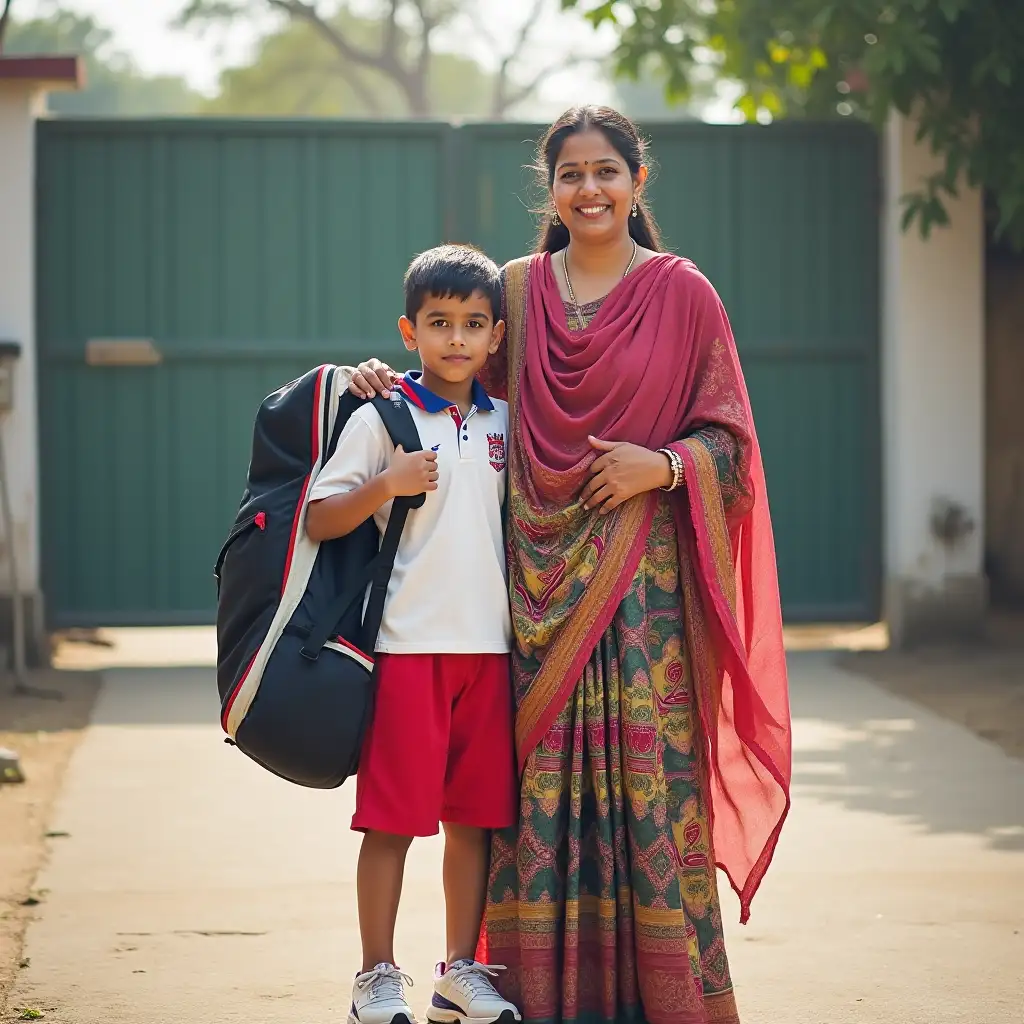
x: 603, y: 902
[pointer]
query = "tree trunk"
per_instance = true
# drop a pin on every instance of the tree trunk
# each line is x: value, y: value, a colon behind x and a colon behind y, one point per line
x: 3, y: 23
x: 417, y: 95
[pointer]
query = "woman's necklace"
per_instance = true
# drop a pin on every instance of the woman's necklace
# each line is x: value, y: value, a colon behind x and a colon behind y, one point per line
x: 568, y: 284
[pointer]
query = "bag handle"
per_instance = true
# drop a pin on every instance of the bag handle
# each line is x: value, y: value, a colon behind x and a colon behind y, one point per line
x: 402, y: 430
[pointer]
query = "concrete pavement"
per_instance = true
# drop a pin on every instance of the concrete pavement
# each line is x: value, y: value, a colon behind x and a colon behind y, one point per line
x: 193, y: 886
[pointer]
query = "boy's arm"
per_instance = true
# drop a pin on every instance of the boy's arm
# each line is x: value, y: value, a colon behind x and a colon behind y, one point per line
x: 340, y: 514
x: 362, y: 475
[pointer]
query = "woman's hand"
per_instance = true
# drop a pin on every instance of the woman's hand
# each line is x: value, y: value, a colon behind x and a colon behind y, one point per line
x: 623, y: 471
x: 372, y: 378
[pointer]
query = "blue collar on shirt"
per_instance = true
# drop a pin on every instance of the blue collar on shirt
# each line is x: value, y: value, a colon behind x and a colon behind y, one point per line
x: 425, y: 399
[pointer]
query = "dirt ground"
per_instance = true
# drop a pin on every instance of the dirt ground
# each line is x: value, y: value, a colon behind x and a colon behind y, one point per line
x: 980, y: 688
x: 43, y: 732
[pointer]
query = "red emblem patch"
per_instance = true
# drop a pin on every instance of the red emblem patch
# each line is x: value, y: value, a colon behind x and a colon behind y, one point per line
x: 496, y: 451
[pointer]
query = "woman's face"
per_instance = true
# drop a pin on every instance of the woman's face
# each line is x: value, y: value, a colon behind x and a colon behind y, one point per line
x: 593, y: 190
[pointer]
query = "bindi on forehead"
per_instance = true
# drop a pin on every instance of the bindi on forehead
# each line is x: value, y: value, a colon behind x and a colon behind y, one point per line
x: 608, y: 161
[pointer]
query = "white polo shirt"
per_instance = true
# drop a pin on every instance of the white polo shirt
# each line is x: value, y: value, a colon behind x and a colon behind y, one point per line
x: 448, y: 592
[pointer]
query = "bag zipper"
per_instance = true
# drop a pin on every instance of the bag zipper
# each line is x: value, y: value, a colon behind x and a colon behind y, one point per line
x: 259, y: 520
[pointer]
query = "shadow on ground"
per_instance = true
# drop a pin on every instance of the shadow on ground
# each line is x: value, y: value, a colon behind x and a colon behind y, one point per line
x: 880, y: 749
x: 870, y: 750
x: 67, y: 704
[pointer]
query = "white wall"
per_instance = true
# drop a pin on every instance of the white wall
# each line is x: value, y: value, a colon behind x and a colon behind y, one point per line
x: 19, y: 104
x: 933, y: 358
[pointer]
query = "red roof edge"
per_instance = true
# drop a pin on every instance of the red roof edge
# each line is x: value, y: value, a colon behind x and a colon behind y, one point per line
x: 64, y: 71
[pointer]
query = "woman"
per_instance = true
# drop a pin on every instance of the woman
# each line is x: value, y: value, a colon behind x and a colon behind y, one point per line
x: 652, y: 710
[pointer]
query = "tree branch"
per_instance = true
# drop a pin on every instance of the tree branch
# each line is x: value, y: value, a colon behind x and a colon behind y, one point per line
x: 209, y: 10
x: 501, y: 101
x: 391, y: 56
x: 348, y: 75
x: 524, y: 92
x: 524, y: 34
x: 361, y: 89
x: 307, y: 12
x: 3, y: 22
x: 387, y: 59
x: 351, y: 77
x: 427, y: 26
x: 426, y: 20
x: 504, y: 99
x: 320, y: 71
x: 481, y: 28
x: 389, y: 48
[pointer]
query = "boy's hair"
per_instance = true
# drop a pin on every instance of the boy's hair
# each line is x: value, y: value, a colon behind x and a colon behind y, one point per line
x: 452, y: 271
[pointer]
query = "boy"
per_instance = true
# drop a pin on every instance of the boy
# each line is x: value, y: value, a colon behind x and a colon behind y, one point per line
x: 440, y: 746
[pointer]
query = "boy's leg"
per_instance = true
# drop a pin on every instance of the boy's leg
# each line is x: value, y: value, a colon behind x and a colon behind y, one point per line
x: 481, y: 785
x: 379, y: 889
x: 480, y: 794
x: 466, y: 851
x: 399, y: 791
x: 400, y: 783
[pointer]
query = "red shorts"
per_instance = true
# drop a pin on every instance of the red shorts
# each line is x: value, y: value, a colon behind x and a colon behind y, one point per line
x: 440, y: 746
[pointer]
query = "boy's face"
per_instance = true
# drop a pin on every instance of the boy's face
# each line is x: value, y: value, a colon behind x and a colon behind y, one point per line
x: 453, y: 336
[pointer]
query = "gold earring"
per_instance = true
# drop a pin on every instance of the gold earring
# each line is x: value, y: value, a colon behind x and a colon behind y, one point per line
x: 555, y: 219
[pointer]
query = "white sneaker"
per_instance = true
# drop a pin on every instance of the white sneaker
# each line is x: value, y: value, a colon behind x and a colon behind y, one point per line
x: 464, y: 994
x: 378, y: 997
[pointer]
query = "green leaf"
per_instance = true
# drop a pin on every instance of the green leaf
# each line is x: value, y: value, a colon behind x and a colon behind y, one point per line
x: 983, y: 69
x: 772, y: 102
x: 747, y: 106
x: 598, y: 15
x: 801, y: 75
x: 822, y: 18
x: 951, y: 9
x: 926, y: 50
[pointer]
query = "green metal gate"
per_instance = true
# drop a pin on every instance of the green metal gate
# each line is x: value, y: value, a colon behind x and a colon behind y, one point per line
x: 238, y: 254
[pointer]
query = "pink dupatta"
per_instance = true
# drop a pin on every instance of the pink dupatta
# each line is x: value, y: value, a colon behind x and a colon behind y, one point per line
x: 657, y: 363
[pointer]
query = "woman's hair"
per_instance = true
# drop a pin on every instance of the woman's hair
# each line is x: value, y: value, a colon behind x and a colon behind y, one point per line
x: 628, y: 143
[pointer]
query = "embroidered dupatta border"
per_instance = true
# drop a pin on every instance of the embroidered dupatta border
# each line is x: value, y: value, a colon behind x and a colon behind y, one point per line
x: 565, y: 659
x: 711, y: 616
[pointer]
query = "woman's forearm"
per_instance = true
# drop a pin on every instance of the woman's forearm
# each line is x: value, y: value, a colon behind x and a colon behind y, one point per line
x: 724, y: 449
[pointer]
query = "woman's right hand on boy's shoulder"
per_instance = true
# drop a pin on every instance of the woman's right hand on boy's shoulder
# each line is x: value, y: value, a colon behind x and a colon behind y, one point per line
x: 412, y: 473
x: 372, y: 378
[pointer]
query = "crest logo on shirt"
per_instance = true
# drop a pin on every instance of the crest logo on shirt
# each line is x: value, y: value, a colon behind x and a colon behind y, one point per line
x: 496, y: 451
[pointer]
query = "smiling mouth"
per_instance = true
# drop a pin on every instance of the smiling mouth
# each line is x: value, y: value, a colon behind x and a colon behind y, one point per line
x: 594, y: 211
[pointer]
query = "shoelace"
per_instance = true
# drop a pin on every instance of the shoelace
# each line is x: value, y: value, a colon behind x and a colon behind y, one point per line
x: 478, y: 976
x: 384, y: 980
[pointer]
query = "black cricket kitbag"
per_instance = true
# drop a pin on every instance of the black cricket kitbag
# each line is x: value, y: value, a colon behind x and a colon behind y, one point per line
x: 294, y: 643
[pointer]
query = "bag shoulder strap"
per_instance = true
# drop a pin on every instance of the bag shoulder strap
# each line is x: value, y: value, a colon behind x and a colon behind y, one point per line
x: 398, y: 422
